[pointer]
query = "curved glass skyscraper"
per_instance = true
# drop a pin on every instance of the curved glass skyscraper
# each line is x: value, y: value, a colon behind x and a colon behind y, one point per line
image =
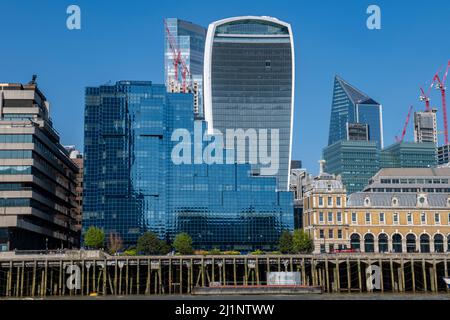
x: 249, y: 82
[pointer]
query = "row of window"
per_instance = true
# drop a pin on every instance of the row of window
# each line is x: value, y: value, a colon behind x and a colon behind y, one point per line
x: 329, y: 201
x: 395, y: 218
x: 414, y: 181
x: 331, y: 234
x: 381, y: 218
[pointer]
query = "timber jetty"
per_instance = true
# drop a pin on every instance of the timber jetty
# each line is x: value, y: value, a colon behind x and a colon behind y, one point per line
x: 84, y: 273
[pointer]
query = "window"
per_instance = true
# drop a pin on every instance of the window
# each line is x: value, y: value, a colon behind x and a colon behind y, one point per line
x: 330, y: 216
x: 320, y: 217
x: 340, y: 234
x: 339, y: 217
x: 437, y: 218
x: 368, y: 218
x: 395, y: 218
x: 354, y: 217
x: 330, y: 234
x: 320, y: 201
x: 448, y: 220
x: 330, y: 201
x: 409, y: 218
x: 321, y: 234
x: 322, y: 248
x: 338, y: 201
x: 423, y: 218
x: 382, y: 221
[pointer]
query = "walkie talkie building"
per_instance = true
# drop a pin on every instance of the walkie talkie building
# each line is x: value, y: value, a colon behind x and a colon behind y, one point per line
x: 249, y: 81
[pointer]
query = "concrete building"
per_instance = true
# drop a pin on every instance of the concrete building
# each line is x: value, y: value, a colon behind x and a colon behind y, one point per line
x: 297, y: 183
x: 425, y: 127
x: 443, y: 154
x: 402, y: 210
x: 77, y: 158
x: 37, y: 177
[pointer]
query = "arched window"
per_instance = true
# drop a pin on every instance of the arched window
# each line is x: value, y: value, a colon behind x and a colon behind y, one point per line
x: 383, y: 243
x: 438, y: 243
x: 397, y: 243
x: 355, y: 241
x: 369, y: 243
x: 410, y: 243
x: 448, y: 242
x: 424, y: 243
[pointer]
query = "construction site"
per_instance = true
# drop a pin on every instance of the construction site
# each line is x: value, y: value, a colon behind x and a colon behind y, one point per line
x: 87, y: 273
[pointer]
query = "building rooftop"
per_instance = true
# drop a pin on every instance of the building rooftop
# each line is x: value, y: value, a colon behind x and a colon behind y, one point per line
x: 401, y: 200
x: 356, y: 95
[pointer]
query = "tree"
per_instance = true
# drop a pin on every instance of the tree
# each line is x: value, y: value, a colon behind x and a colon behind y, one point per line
x: 183, y: 243
x: 301, y: 242
x: 285, y: 242
x: 150, y: 244
x: 94, y: 238
x: 115, y: 243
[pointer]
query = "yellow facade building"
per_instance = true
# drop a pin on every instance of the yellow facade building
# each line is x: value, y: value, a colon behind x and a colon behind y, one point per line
x: 401, y: 210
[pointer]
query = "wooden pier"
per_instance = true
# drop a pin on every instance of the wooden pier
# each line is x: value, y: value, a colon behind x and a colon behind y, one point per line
x: 51, y: 276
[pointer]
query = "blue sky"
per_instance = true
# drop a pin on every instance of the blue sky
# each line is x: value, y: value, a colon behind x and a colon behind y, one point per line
x: 123, y: 40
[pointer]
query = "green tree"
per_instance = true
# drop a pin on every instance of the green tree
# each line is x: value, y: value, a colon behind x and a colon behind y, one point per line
x: 285, y: 242
x: 94, y: 238
x: 150, y: 244
x: 301, y: 242
x: 183, y: 243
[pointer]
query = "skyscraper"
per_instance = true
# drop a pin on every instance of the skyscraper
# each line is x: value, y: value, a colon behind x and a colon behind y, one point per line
x: 37, y: 177
x: 425, y: 127
x: 183, y: 58
x: 350, y: 106
x: 132, y: 183
x: 249, y: 81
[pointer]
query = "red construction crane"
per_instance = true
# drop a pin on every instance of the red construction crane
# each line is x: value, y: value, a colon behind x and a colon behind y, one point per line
x: 406, y: 126
x: 177, y: 59
x: 440, y: 85
x: 426, y: 96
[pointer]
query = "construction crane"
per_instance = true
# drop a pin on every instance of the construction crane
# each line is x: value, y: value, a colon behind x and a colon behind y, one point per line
x: 177, y: 59
x: 440, y: 85
x: 426, y: 96
x: 405, y: 126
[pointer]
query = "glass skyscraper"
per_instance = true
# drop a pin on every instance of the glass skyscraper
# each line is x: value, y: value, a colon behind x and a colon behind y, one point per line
x: 184, y: 40
x: 132, y: 185
x: 249, y: 81
x: 350, y: 106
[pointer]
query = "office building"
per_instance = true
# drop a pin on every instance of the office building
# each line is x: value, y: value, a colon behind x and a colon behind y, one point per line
x: 132, y: 183
x: 409, y: 155
x: 443, y: 154
x: 37, y: 177
x: 324, y: 203
x: 425, y: 127
x: 403, y: 210
x: 358, y: 131
x: 183, y: 58
x: 249, y: 82
x: 77, y: 157
x: 354, y: 160
x: 298, y: 180
x: 351, y: 106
